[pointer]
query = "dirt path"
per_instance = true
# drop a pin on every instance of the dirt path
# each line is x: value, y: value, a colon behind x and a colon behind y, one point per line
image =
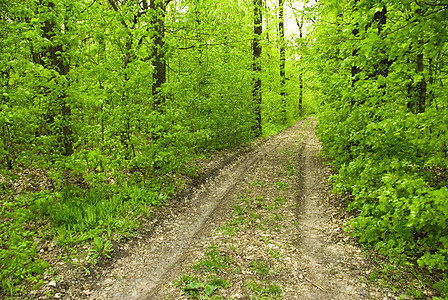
x: 265, y: 227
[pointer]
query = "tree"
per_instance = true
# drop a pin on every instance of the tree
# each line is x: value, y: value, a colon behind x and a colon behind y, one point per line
x: 299, y: 17
x: 282, y: 50
x: 158, y: 55
x: 53, y: 57
x: 256, y: 50
x: 376, y: 67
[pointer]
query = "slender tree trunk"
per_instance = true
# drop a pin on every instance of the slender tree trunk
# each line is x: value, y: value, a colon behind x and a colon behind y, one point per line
x: 256, y: 50
x: 300, y: 25
x: 422, y: 85
x: 8, y: 144
x: 354, y: 69
x: 125, y: 134
x: 301, y: 81
x: 158, y: 55
x: 381, y: 68
x: 281, y: 32
x: 6, y: 134
x: 431, y: 82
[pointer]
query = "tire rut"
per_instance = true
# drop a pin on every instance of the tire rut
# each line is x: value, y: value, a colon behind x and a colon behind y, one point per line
x: 325, y: 266
x: 317, y: 262
x: 153, y: 259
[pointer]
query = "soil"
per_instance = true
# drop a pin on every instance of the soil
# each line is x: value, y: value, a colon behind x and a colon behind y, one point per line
x: 268, y: 211
x: 317, y: 259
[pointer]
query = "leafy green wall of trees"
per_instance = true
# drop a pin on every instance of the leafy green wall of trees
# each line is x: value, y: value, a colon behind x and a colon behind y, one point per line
x: 108, y: 100
x: 381, y: 69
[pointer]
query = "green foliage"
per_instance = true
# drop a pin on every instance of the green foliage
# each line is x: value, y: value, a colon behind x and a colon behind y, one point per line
x: 282, y: 186
x: 264, y: 290
x: 101, y: 248
x: 261, y: 267
x: 194, y: 288
x: 214, y: 262
x: 442, y: 286
x: 190, y: 285
x: 79, y: 102
x: 384, y: 124
x: 18, y: 251
x: 73, y: 216
x: 289, y: 168
x: 79, y: 215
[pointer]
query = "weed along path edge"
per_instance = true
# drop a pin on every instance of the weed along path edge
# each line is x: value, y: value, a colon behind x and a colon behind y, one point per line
x: 265, y: 227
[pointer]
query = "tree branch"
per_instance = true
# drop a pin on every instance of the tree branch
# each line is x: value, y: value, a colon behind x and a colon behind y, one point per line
x: 91, y: 4
x: 115, y: 7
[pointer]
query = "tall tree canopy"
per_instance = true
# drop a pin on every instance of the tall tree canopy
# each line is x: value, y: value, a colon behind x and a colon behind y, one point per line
x: 112, y: 77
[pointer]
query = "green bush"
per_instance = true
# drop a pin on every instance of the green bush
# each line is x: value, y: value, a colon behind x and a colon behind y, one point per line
x: 18, y: 251
x: 383, y: 121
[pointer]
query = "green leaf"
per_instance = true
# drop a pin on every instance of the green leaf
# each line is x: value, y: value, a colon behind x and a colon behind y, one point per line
x: 210, y: 289
x: 193, y: 286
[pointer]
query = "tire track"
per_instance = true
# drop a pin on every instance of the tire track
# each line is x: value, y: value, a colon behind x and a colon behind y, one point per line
x: 318, y: 263
x: 138, y: 275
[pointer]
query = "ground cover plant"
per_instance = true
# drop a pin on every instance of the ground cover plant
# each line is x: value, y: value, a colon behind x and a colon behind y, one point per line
x: 73, y: 223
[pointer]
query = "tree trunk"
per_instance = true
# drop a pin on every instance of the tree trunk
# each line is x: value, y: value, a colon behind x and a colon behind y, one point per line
x: 125, y: 134
x: 300, y: 25
x: 381, y: 68
x: 52, y: 58
x: 300, y: 94
x: 256, y: 50
x: 422, y: 85
x: 281, y: 32
x: 354, y: 69
x: 431, y: 96
x: 158, y: 55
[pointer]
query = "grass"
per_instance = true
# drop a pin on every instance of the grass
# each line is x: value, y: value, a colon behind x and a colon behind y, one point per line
x: 240, y: 210
x: 218, y: 262
x: 401, y: 279
x: 258, y: 184
x: 19, y: 252
x: 263, y: 289
x: 195, y: 288
x: 289, y: 168
x: 262, y: 268
x: 275, y: 254
x: 282, y: 186
x: 65, y: 221
x: 214, y: 262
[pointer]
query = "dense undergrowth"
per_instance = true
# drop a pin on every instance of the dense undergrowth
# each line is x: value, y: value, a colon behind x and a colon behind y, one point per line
x: 384, y: 124
x: 71, y: 223
x: 398, y: 183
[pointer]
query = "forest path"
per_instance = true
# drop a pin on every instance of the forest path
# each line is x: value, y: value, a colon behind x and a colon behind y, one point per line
x: 266, y: 226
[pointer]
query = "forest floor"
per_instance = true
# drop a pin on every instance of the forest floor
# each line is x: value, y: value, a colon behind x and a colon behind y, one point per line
x: 261, y: 222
